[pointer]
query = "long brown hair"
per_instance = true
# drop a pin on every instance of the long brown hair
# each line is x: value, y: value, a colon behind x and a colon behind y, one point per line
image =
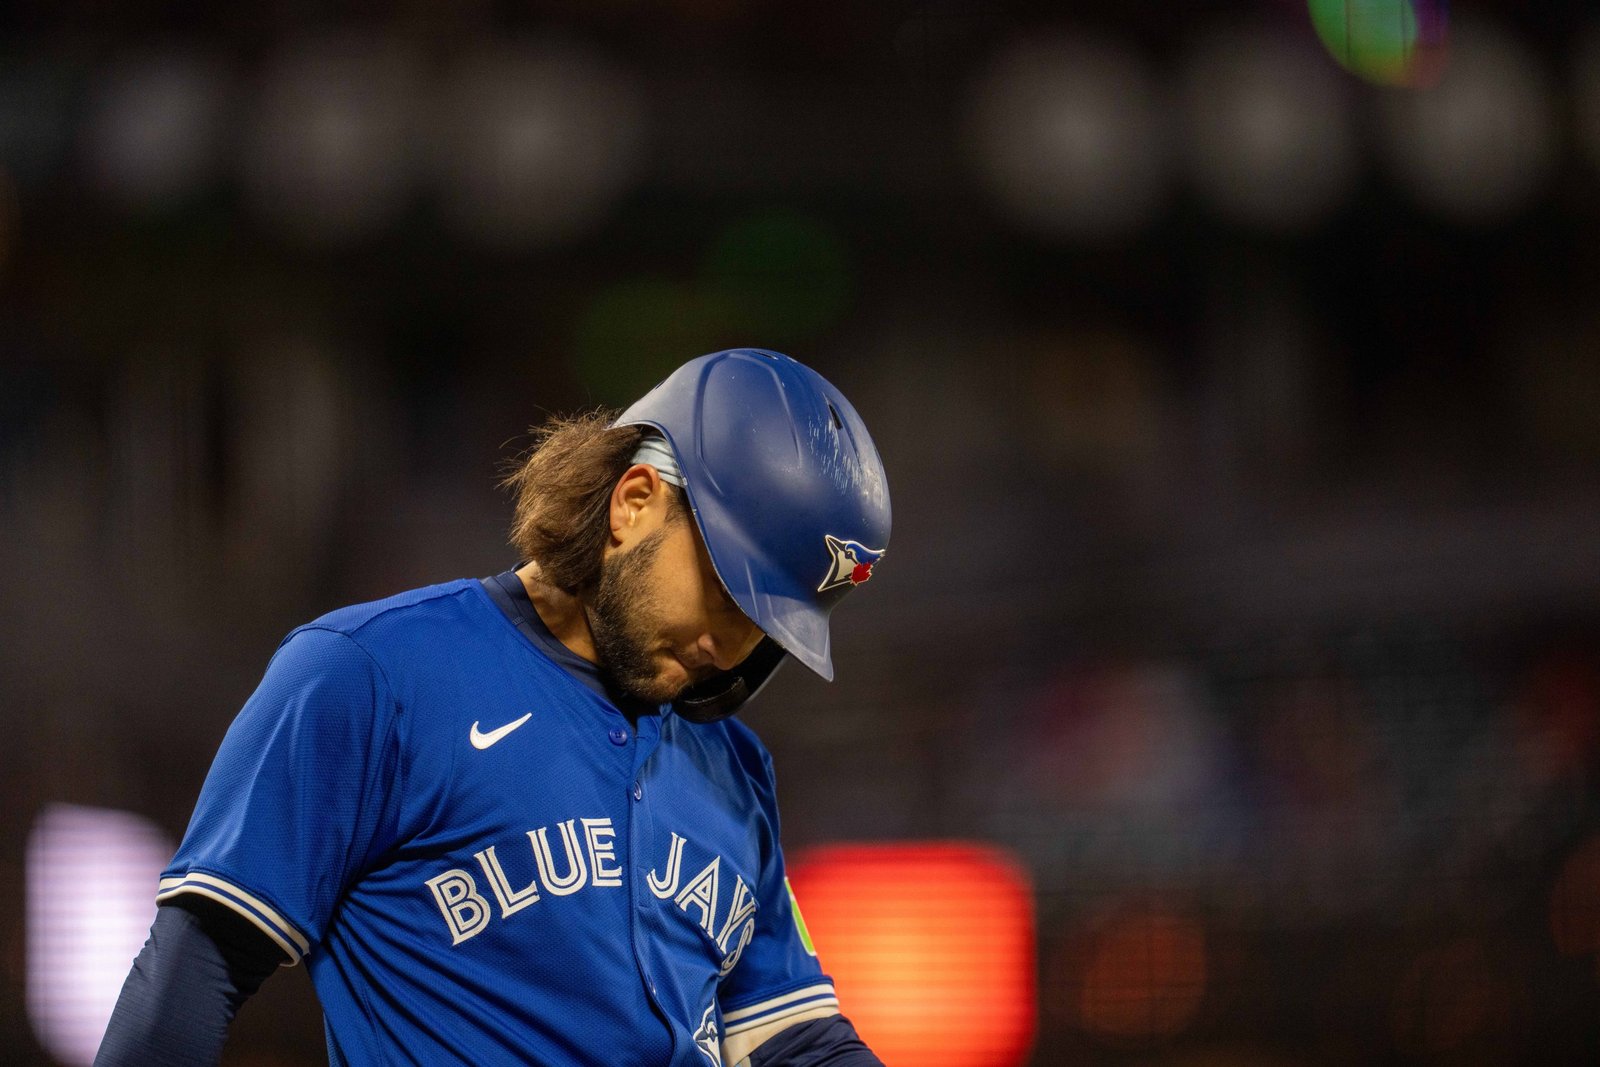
x: 563, y: 486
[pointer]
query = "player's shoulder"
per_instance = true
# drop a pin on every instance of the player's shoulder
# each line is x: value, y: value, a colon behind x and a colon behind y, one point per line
x: 744, y: 738
x: 415, y: 611
x: 743, y: 745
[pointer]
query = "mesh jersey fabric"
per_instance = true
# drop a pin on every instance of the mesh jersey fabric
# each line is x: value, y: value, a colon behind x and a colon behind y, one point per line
x: 576, y: 889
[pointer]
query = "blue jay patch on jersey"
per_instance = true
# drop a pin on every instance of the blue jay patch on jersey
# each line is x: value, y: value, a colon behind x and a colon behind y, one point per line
x: 851, y: 563
x: 707, y: 1038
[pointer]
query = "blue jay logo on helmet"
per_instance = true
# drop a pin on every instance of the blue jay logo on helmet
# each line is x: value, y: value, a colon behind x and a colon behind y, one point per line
x: 852, y: 563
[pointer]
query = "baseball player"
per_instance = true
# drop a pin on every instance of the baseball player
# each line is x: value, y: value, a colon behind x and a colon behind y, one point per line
x: 509, y: 820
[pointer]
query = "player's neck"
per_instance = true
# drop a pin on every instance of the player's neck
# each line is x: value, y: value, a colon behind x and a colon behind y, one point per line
x: 561, y: 612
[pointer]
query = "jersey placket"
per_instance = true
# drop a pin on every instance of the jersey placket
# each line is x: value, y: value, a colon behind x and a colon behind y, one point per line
x: 642, y: 742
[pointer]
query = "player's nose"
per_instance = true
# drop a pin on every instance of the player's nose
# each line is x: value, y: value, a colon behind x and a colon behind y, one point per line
x: 726, y: 647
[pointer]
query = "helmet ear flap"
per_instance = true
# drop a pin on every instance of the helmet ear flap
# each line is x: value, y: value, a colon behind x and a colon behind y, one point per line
x: 723, y: 694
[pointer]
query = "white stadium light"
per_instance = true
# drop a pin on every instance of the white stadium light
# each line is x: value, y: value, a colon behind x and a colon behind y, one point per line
x: 1067, y: 134
x: 1476, y: 146
x: 535, y: 142
x: 330, y: 153
x: 91, y: 896
x: 1268, y: 131
x: 153, y: 124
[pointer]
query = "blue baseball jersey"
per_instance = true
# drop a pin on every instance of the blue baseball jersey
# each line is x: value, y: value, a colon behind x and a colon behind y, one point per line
x: 483, y: 860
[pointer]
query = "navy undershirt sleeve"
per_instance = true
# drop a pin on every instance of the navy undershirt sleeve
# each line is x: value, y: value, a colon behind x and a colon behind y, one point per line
x: 830, y: 1042
x: 201, y: 962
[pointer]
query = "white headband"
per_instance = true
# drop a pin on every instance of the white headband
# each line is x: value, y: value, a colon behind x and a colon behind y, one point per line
x: 655, y: 451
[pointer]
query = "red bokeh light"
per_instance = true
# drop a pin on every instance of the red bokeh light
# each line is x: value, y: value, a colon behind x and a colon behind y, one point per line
x: 1144, y: 975
x: 1448, y: 1000
x: 1558, y: 715
x: 1575, y: 902
x: 931, y: 948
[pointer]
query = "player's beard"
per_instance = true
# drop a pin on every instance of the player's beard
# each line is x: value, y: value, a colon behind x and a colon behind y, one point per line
x: 621, y: 616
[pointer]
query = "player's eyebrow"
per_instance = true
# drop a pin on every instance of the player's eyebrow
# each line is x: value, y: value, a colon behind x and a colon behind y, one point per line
x: 709, y: 572
x: 723, y: 597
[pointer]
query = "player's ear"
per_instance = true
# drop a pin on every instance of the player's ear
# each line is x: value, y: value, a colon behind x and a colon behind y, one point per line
x: 636, y: 493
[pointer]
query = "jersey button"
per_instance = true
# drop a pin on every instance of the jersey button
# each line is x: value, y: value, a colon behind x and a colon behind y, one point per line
x: 638, y: 790
x: 618, y: 735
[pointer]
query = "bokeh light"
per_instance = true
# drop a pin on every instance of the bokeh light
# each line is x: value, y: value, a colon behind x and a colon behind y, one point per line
x: 1448, y: 1000
x: 329, y: 155
x: 1143, y: 976
x: 1557, y: 715
x: 535, y: 142
x: 156, y: 120
x: 1477, y: 145
x: 1066, y: 134
x: 787, y: 274
x: 1134, y: 738
x: 91, y: 882
x: 930, y: 947
x: 1269, y: 136
x: 1575, y: 902
x: 632, y: 333
x: 1390, y: 42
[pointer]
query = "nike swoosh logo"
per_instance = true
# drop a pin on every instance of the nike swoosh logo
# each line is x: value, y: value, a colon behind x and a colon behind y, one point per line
x: 482, y: 740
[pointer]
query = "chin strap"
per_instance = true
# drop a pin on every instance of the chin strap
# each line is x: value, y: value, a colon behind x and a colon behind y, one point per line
x: 720, y: 696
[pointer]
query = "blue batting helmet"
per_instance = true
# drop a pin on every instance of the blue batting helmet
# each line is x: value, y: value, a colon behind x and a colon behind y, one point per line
x: 789, y: 495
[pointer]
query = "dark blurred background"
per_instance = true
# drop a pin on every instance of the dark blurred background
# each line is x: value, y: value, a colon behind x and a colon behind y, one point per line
x: 1237, y: 375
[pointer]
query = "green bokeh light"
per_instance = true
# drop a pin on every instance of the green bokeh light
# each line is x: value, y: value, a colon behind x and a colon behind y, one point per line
x: 634, y: 333
x: 786, y: 275
x: 1390, y: 42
